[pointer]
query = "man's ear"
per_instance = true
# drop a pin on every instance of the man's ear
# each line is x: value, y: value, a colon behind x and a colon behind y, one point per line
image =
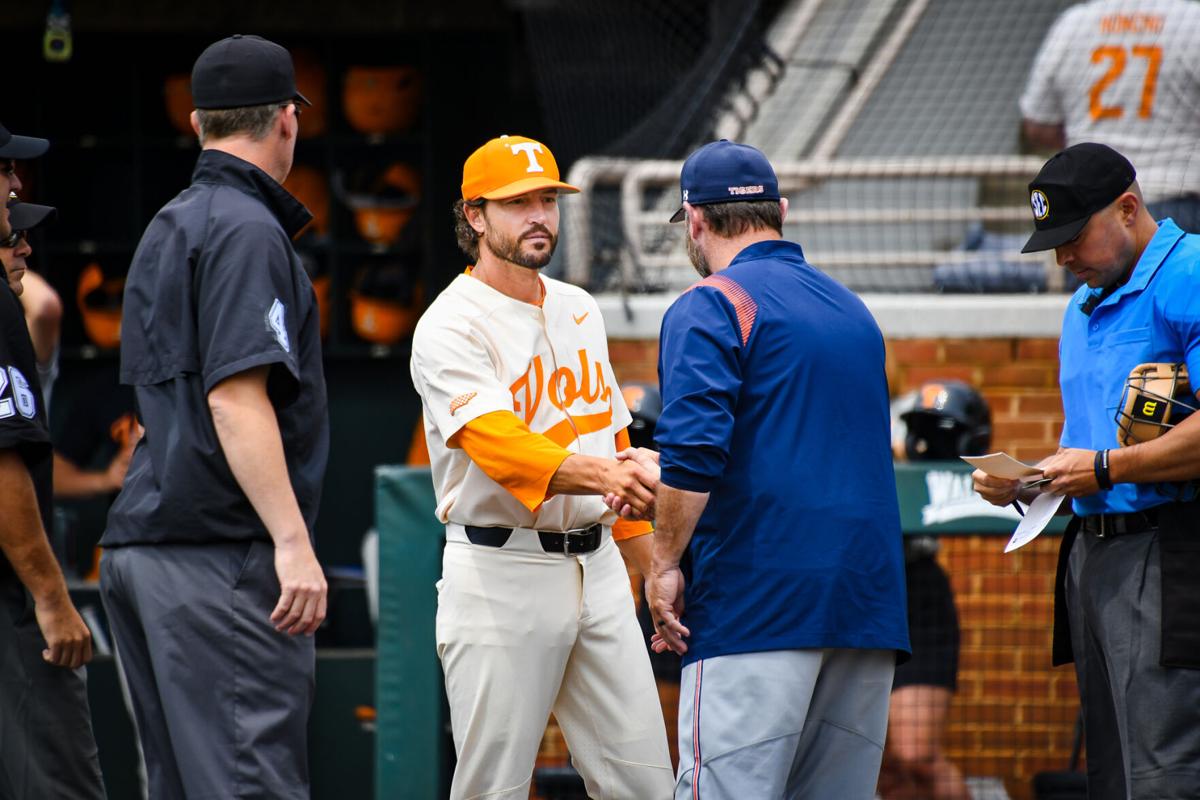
x: 474, y: 215
x: 783, y: 209
x: 289, y: 122
x: 695, y: 220
x: 1129, y: 203
x: 194, y: 118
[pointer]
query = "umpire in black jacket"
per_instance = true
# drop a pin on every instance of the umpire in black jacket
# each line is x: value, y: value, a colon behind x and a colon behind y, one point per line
x: 209, y: 576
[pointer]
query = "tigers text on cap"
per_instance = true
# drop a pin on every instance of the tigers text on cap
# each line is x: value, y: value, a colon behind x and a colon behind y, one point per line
x: 508, y: 166
x: 1073, y: 185
x: 19, y: 147
x: 726, y: 172
x: 243, y: 71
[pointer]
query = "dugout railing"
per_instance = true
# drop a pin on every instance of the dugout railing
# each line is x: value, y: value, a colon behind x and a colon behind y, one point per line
x: 842, y: 212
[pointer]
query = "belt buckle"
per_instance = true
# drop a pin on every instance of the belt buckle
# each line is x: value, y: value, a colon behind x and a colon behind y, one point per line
x: 576, y: 532
x: 1102, y: 533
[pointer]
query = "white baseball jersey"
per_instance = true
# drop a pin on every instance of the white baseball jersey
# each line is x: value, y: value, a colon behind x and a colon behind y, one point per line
x: 1126, y: 73
x: 476, y: 351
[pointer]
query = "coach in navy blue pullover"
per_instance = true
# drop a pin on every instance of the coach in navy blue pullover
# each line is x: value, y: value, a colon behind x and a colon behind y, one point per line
x: 777, y: 479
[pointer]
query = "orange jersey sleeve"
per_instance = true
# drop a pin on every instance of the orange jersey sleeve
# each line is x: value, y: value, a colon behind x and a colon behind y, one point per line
x: 628, y: 528
x: 521, y: 461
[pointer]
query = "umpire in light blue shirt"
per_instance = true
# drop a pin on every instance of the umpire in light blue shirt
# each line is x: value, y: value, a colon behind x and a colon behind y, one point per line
x: 1127, y: 608
x: 777, y: 481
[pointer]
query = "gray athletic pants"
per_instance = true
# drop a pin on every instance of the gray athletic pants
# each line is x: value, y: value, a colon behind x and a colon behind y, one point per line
x: 1141, y: 720
x: 221, y: 699
x: 47, y: 749
x: 784, y: 724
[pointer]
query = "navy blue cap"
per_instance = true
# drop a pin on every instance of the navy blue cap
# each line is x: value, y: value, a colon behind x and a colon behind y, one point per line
x: 726, y: 172
x: 242, y: 71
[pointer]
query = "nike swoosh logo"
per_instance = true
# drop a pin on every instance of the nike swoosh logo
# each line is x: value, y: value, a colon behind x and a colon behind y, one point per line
x: 579, y: 320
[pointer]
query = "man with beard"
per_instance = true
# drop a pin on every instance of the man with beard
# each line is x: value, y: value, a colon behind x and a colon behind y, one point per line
x: 777, y: 479
x: 523, y: 419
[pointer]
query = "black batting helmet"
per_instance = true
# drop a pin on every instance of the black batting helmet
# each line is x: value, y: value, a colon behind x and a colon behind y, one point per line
x: 645, y: 404
x: 948, y: 420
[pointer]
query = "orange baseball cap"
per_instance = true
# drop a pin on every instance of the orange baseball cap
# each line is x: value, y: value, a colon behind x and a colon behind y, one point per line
x: 508, y: 166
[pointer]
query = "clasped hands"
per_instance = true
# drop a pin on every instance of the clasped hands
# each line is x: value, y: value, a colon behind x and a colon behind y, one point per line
x: 664, y: 582
x: 634, y: 479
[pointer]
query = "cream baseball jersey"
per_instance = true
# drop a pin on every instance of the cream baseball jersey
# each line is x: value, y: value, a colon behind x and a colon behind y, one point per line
x: 477, y: 351
x: 1127, y: 74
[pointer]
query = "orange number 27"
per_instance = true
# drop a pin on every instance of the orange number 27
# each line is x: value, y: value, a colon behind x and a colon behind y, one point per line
x: 1117, y: 58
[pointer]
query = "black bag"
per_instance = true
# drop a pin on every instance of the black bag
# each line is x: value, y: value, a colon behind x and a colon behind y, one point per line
x: 1179, y: 552
x: 1069, y: 785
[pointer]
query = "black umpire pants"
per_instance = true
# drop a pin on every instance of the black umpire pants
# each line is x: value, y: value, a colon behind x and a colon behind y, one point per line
x: 1141, y: 720
x: 220, y: 698
x: 47, y: 748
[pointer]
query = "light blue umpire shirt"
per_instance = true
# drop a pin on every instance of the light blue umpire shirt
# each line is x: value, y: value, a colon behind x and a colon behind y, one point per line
x: 1154, y: 317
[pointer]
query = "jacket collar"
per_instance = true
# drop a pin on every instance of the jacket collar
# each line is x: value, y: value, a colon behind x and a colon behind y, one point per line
x: 771, y: 248
x: 217, y: 166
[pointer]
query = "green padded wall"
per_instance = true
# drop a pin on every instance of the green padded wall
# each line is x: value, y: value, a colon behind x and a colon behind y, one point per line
x: 408, y: 677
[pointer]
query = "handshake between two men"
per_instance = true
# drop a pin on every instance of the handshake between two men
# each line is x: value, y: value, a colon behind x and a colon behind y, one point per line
x: 663, y: 591
x: 628, y: 486
x: 634, y: 484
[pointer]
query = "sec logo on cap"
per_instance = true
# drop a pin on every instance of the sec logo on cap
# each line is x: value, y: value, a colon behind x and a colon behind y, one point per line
x: 1041, y: 206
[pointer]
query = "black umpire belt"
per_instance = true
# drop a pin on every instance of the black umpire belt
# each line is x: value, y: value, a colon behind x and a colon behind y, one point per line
x: 567, y: 543
x: 1106, y: 525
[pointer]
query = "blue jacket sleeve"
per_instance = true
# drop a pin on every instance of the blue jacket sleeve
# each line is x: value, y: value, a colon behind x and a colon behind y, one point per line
x: 700, y: 372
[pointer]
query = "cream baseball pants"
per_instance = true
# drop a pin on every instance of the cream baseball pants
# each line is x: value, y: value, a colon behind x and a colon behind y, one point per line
x: 522, y: 633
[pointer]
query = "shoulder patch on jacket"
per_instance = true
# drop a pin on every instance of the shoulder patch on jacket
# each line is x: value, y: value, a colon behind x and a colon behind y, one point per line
x: 743, y: 304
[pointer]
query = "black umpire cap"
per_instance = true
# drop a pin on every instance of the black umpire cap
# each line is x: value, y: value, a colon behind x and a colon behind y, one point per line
x: 27, y: 216
x: 18, y: 147
x: 242, y: 71
x: 1073, y: 185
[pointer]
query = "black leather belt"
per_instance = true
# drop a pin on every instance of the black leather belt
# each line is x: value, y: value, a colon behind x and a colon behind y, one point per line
x: 567, y: 543
x: 1105, y: 525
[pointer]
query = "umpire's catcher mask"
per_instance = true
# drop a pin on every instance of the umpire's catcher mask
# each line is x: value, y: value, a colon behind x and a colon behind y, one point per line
x: 1157, y: 397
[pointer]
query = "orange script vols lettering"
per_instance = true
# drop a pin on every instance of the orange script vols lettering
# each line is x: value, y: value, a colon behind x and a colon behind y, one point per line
x: 563, y: 386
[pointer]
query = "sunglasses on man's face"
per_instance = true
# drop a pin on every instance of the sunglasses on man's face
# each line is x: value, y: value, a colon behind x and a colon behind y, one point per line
x: 12, y: 240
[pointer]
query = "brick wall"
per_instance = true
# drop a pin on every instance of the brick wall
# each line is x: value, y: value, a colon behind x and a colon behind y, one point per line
x: 1013, y: 715
x: 1019, y: 378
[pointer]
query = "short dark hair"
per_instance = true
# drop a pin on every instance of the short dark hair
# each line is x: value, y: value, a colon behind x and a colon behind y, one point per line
x: 734, y: 219
x: 253, y: 121
x: 468, y: 237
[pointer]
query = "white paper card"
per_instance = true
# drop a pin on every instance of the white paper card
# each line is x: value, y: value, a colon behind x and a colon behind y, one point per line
x: 1002, y: 465
x: 1037, y: 517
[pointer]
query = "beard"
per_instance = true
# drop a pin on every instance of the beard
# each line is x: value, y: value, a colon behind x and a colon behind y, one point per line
x: 697, y: 257
x: 512, y: 250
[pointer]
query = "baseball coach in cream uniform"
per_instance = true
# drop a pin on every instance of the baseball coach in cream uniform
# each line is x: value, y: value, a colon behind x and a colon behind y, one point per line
x: 523, y: 421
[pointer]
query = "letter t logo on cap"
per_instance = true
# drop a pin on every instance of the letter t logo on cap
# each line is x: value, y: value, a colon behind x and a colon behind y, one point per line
x: 529, y: 148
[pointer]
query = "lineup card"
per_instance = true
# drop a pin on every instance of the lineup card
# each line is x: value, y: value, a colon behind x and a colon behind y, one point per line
x: 1039, y: 513
x: 1002, y: 465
